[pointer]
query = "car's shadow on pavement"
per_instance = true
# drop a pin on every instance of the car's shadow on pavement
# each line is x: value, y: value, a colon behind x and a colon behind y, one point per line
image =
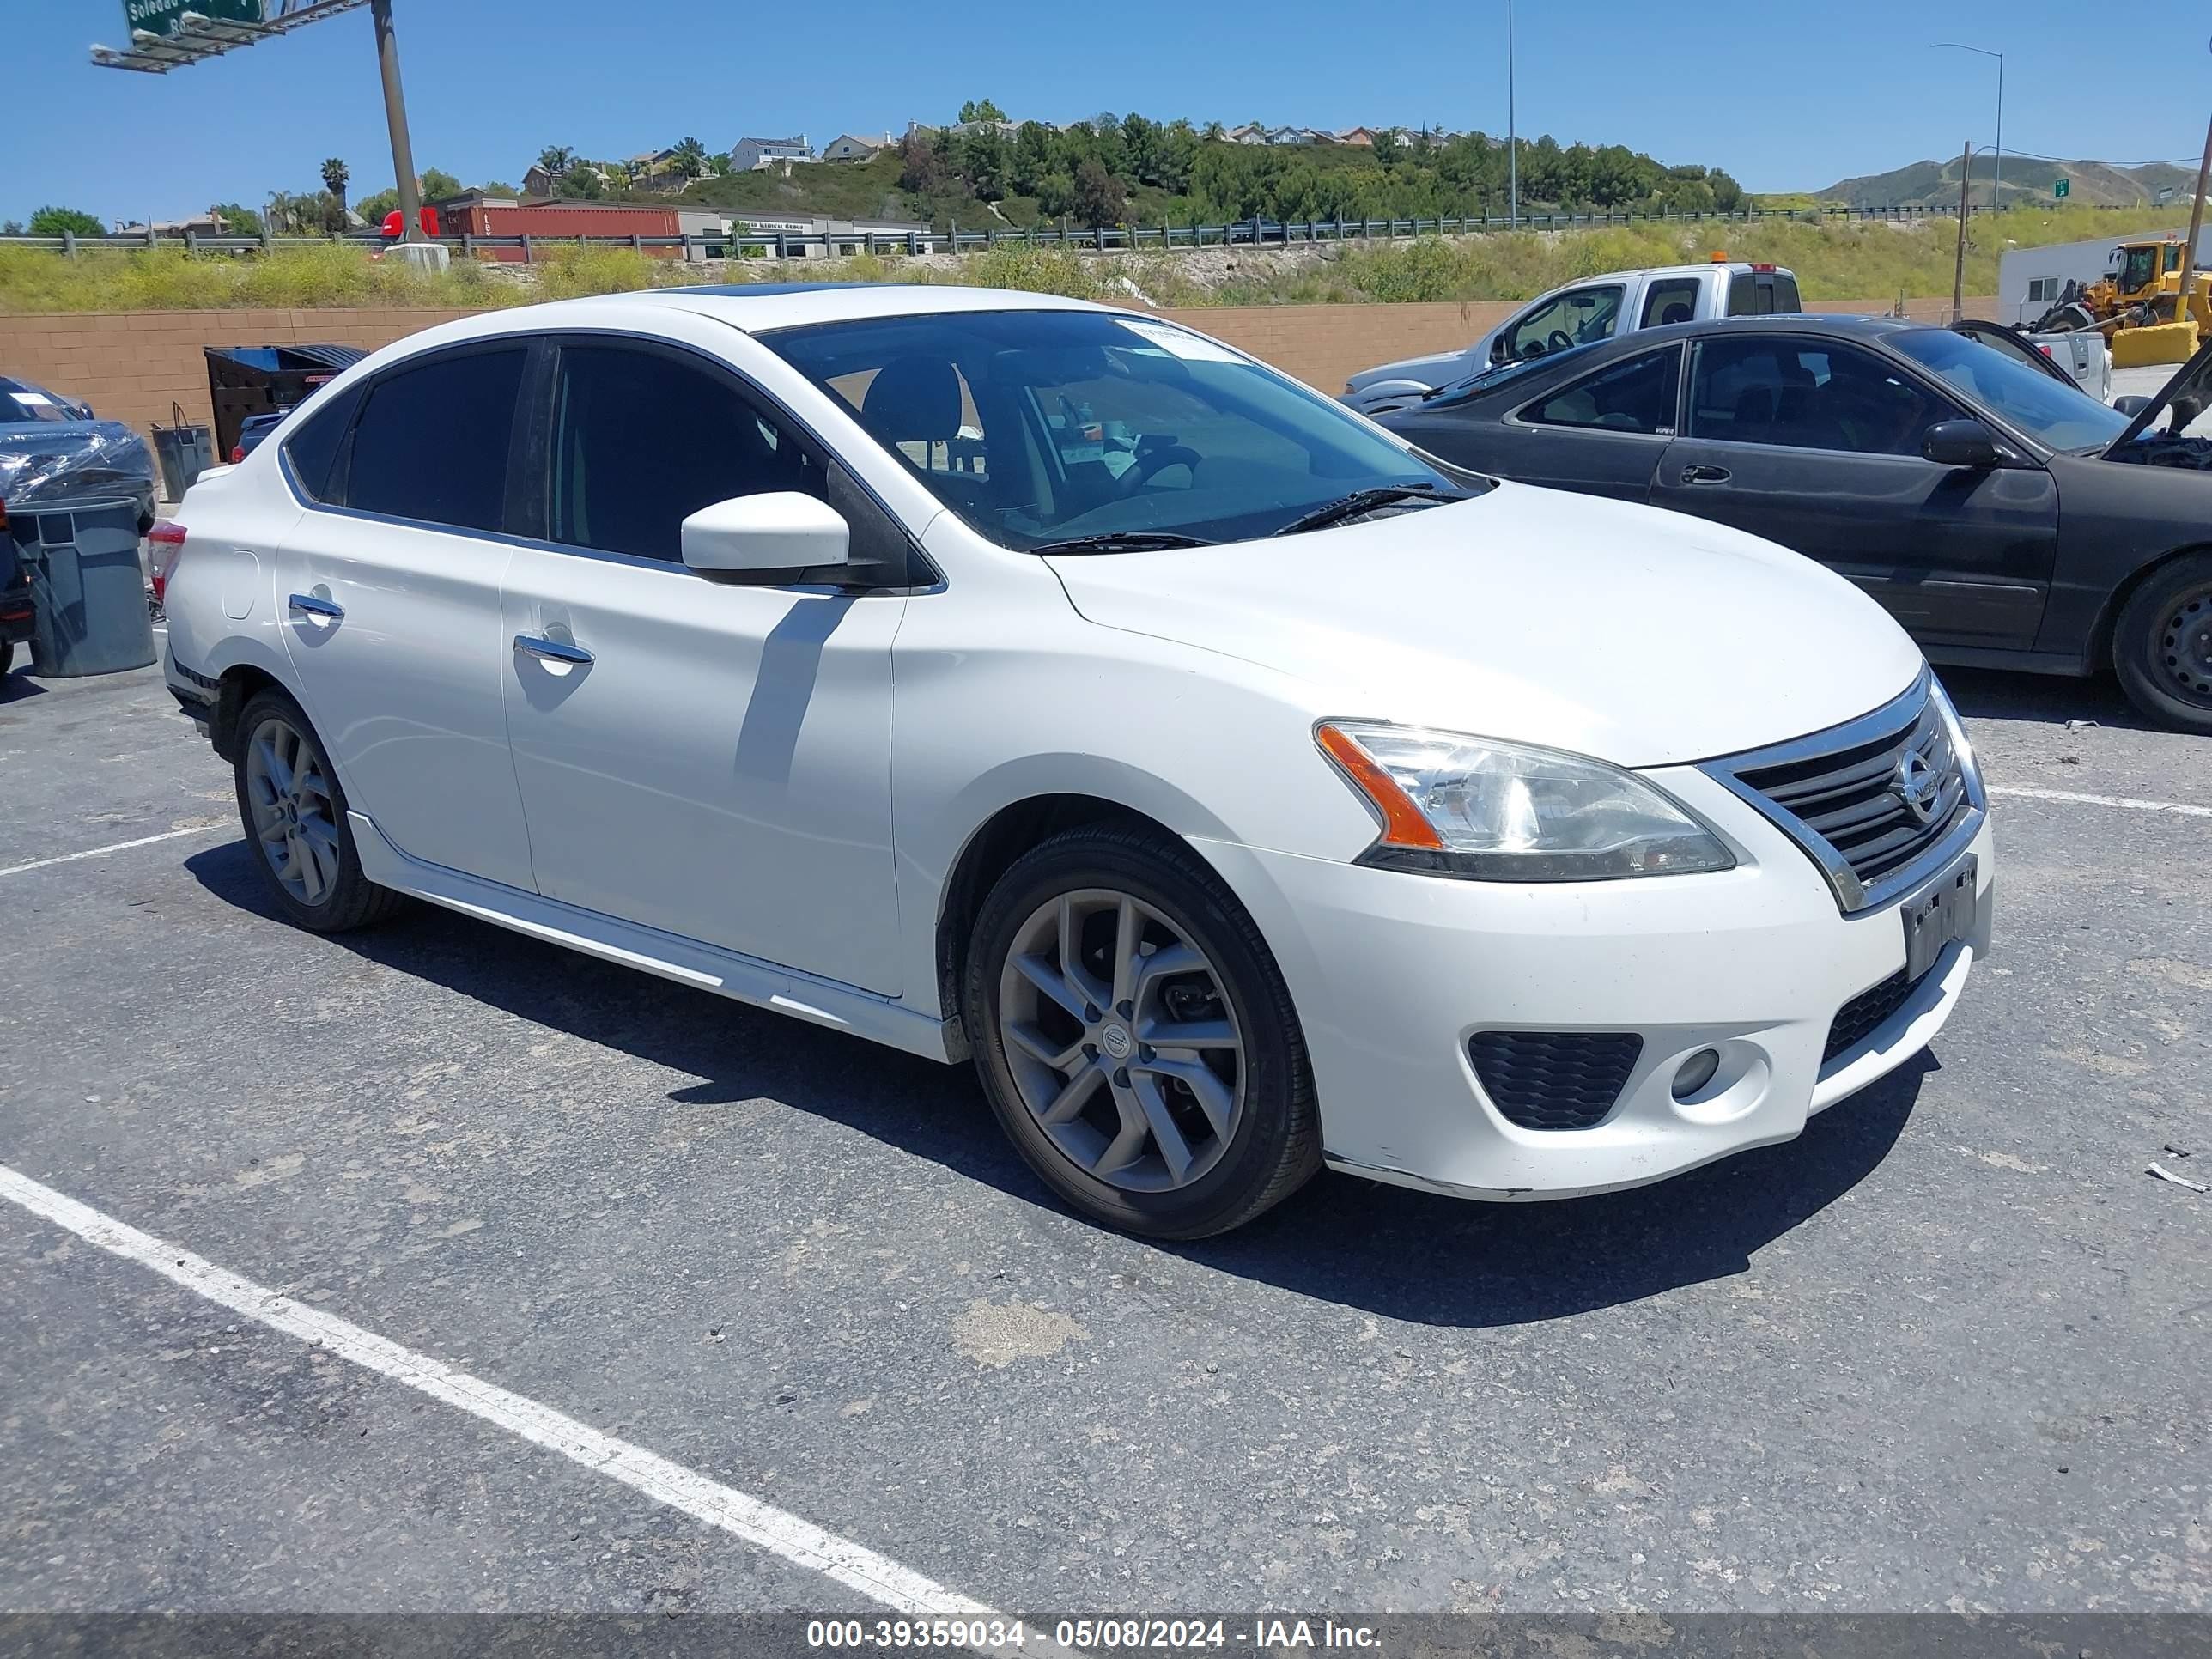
x: 1993, y: 694
x: 1383, y: 1250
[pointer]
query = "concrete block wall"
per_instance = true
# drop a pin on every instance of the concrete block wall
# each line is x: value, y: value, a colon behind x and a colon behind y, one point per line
x: 133, y: 366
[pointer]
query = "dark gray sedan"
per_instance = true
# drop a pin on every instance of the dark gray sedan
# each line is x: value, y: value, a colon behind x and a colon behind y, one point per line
x: 2005, y: 517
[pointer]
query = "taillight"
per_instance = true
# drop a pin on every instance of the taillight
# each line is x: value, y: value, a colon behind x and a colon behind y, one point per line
x: 166, y: 540
x: 1763, y: 270
x: 237, y: 453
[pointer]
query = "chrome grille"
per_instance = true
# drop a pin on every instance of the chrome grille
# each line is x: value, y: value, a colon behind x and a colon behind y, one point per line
x: 1846, y: 796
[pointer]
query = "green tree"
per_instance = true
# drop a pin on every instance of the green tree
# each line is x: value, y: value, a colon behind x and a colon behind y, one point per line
x: 580, y: 183
x: 690, y: 160
x: 435, y: 185
x: 373, y: 209
x: 1033, y: 157
x: 983, y: 161
x: 64, y: 221
x: 981, y: 109
x: 1100, y: 198
x: 238, y: 219
x: 557, y: 159
x: 336, y: 176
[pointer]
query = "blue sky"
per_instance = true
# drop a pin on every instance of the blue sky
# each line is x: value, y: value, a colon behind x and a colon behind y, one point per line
x: 1781, y: 93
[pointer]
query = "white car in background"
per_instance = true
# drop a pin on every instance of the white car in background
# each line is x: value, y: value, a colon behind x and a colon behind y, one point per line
x: 1583, y: 314
x: 1264, y: 798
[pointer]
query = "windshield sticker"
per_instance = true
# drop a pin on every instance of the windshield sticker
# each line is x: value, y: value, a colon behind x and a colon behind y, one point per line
x: 33, y: 399
x: 1189, y: 347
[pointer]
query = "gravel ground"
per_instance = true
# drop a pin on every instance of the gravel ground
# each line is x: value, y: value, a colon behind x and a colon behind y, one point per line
x: 1946, y: 1351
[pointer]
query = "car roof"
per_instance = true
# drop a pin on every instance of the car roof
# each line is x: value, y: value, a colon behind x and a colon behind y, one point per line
x: 757, y: 306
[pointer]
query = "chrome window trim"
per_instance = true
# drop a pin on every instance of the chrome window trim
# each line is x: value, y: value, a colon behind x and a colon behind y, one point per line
x: 1893, y: 720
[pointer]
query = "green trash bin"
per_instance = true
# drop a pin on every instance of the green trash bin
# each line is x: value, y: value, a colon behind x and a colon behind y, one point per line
x: 87, y: 591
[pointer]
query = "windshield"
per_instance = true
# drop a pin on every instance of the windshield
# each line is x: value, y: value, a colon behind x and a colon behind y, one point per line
x: 1497, y: 375
x: 2052, y: 412
x: 1042, y: 426
x: 21, y: 401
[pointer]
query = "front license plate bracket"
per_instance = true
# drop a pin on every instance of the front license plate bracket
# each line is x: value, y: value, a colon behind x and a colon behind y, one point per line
x: 1943, y: 912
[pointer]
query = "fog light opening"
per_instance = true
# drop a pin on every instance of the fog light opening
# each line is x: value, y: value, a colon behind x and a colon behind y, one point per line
x: 1696, y: 1073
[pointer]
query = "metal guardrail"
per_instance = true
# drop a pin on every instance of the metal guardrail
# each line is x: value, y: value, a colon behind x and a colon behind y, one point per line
x: 792, y: 244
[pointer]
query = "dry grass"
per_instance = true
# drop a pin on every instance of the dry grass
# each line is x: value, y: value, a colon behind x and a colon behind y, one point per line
x: 1834, y: 261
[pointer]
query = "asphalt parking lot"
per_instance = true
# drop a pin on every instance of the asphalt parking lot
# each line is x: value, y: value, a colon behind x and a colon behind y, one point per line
x: 1945, y: 1351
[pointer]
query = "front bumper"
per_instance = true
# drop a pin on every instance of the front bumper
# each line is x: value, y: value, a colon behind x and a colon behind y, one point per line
x: 1392, y: 974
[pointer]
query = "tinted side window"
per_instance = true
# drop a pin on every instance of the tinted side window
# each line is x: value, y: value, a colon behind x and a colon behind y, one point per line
x: 314, y: 447
x: 1636, y: 396
x: 1807, y: 395
x: 1672, y: 301
x: 642, y: 440
x: 432, y: 442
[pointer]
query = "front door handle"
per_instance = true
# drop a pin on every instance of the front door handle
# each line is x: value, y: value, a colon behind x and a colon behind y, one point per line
x: 546, y: 650
x: 310, y: 605
x: 1697, y: 474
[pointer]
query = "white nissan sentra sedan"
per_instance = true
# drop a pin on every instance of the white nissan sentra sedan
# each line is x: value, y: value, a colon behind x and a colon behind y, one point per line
x: 997, y: 675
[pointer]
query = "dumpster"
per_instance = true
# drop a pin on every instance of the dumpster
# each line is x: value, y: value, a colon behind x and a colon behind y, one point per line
x: 244, y: 381
x: 183, y: 452
x: 88, y: 594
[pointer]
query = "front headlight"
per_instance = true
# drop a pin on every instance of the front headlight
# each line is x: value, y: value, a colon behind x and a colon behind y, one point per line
x: 1505, y: 811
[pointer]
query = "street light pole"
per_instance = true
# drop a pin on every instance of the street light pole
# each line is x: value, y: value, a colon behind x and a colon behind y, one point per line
x: 1512, y: 129
x: 1996, y: 181
x: 395, y: 116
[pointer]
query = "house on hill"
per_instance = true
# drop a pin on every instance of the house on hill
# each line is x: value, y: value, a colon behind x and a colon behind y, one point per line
x: 851, y: 146
x: 754, y: 154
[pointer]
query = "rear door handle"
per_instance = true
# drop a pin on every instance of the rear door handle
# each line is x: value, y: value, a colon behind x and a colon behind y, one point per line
x: 314, y: 607
x: 1696, y: 475
x: 551, y: 650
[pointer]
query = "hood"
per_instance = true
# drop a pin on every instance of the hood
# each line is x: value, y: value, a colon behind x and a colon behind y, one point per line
x: 2192, y: 380
x: 1642, y: 637
x: 1430, y: 371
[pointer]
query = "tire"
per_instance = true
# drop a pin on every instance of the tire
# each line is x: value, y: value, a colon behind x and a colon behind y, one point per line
x: 1239, y: 1138
x: 306, y: 853
x: 7, y: 658
x: 2162, y: 644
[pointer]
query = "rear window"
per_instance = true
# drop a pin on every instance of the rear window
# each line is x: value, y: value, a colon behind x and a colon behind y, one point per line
x: 1762, y: 293
x: 313, y: 449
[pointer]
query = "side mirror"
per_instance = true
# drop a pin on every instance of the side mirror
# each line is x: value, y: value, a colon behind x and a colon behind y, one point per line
x: 2131, y: 406
x: 1967, y: 443
x: 776, y: 533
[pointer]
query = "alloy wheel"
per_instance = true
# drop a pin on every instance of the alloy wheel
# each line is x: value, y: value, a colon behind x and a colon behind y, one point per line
x: 1123, y: 1041
x: 295, y: 820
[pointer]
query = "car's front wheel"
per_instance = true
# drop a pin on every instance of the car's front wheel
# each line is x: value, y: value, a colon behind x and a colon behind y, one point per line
x: 295, y: 812
x: 2162, y: 644
x: 1135, y: 1037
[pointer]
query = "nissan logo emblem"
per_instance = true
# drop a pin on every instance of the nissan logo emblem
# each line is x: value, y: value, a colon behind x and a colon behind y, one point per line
x: 1916, y: 784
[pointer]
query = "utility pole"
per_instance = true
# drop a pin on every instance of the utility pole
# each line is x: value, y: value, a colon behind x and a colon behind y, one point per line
x: 1511, y: 132
x: 1958, y: 270
x: 395, y: 116
x: 2195, y: 225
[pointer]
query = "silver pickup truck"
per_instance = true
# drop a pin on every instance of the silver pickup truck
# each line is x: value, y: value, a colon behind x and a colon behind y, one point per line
x: 1595, y: 308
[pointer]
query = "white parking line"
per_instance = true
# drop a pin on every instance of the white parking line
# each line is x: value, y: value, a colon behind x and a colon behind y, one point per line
x: 117, y: 846
x: 2128, y: 803
x: 800, y: 1542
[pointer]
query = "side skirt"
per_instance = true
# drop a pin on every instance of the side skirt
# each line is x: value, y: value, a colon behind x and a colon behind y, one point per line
x: 688, y: 961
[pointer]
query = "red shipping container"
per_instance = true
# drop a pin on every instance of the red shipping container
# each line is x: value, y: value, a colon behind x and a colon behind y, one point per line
x: 562, y: 222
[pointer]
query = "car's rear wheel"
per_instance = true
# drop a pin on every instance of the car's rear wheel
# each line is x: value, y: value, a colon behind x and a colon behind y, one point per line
x: 2162, y: 644
x: 1135, y: 1036
x: 295, y: 812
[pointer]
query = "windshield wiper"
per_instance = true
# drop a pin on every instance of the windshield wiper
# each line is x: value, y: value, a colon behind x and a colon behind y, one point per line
x: 1364, y: 501
x: 1123, y: 541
